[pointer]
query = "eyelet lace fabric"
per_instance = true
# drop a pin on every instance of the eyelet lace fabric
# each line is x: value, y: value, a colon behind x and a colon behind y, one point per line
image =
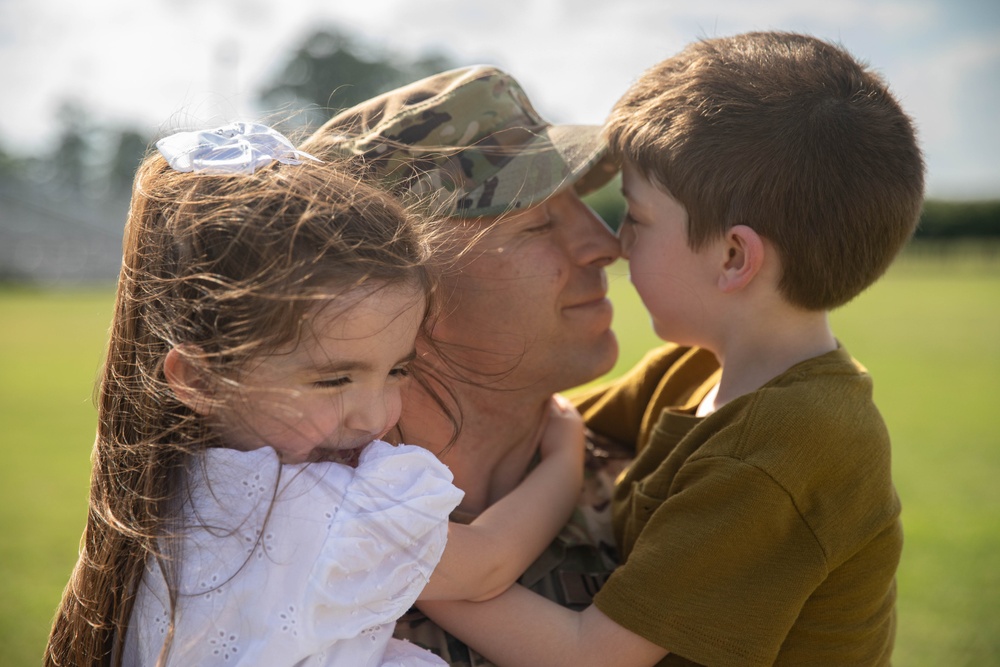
x: 298, y: 564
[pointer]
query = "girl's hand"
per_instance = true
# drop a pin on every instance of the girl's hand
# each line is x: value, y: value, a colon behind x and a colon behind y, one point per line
x: 563, y: 432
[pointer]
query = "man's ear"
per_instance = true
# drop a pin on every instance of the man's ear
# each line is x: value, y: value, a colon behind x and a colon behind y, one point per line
x: 186, y: 379
x: 744, y: 257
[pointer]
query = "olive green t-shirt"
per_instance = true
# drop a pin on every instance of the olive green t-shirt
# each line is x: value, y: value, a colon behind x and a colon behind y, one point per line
x: 765, y: 533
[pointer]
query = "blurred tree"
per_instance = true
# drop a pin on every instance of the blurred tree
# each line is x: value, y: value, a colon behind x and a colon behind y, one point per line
x: 129, y: 147
x: 73, y: 149
x: 332, y: 71
x: 948, y: 220
x: 8, y: 164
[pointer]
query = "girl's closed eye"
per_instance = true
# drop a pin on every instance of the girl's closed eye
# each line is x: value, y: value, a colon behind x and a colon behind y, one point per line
x: 401, y: 372
x: 333, y: 383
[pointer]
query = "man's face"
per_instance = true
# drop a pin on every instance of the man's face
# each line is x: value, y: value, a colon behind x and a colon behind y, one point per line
x: 529, y: 307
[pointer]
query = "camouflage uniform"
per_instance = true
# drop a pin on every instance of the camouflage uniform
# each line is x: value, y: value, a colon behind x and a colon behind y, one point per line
x: 570, y: 571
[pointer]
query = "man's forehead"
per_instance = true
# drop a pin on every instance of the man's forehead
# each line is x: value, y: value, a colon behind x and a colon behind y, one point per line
x: 532, y: 213
x: 509, y: 220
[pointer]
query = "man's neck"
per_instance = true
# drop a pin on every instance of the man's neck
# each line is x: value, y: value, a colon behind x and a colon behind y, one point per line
x: 498, y: 437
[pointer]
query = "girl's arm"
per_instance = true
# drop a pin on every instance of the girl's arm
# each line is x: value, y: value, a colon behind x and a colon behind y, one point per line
x: 522, y: 628
x: 485, y: 557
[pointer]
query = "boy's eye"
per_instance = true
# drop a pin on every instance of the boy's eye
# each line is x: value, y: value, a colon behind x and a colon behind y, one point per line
x: 332, y: 382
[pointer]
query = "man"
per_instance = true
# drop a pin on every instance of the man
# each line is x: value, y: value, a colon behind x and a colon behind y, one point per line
x: 523, y: 314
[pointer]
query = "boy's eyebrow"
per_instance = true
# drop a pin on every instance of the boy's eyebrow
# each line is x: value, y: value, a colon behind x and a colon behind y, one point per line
x: 632, y: 203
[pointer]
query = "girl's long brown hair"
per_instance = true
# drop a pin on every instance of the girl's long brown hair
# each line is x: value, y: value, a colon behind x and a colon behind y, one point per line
x: 227, y: 265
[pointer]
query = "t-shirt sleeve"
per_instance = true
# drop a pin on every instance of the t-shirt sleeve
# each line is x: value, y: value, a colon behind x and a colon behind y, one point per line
x: 385, y: 540
x: 721, y: 569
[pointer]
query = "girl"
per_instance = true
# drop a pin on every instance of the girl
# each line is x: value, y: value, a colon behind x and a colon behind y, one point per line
x: 244, y: 508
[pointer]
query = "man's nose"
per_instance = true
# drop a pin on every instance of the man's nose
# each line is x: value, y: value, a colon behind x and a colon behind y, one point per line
x: 591, y: 242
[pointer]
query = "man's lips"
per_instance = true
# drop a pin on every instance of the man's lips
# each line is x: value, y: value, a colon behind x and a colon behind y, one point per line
x: 596, y: 298
x: 599, y: 301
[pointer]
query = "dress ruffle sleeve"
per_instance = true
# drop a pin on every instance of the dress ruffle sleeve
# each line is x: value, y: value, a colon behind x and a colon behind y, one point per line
x: 401, y: 653
x: 384, y: 541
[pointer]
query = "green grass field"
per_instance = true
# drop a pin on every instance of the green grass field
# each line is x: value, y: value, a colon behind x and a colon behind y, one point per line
x: 929, y: 333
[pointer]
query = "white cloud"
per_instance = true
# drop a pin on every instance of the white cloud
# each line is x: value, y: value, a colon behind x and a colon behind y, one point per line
x: 775, y: 14
x: 156, y: 62
x: 953, y: 93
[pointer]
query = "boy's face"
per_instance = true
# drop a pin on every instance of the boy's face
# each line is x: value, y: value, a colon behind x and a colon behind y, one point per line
x: 674, y: 282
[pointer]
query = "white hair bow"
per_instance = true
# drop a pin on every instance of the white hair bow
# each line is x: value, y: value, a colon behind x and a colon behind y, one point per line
x: 237, y: 148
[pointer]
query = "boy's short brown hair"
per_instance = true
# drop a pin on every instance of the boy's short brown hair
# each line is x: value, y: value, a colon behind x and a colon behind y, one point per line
x: 791, y: 136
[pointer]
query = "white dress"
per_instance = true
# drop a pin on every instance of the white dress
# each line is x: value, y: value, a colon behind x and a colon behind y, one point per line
x: 344, y: 552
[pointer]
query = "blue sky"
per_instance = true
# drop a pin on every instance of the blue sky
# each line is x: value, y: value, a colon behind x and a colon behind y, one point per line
x: 156, y: 64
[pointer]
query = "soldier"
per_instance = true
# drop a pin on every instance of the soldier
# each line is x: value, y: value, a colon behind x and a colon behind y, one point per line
x: 524, y: 309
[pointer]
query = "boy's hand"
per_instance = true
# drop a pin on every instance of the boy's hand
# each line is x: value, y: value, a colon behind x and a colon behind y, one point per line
x: 563, y: 432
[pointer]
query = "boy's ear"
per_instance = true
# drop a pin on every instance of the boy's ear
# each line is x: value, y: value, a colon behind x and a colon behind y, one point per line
x: 744, y: 257
x: 186, y: 379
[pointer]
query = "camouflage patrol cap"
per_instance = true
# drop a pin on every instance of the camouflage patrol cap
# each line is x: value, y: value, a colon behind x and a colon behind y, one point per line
x: 465, y: 143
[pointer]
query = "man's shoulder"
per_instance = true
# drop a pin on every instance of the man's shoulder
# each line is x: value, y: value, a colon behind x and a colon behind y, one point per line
x: 626, y: 407
x: 653, y: 365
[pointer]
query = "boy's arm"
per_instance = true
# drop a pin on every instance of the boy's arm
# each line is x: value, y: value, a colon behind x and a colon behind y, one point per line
x: 522, y: 628
x: 484, y: 558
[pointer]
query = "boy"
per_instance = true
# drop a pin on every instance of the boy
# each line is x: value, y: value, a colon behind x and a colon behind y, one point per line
x: 769, y: 178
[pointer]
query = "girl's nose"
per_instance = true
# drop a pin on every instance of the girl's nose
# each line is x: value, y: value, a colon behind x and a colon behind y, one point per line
x: 375, y: 413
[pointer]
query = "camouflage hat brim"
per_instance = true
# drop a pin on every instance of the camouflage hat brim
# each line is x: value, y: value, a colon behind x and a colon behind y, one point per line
x: 464, y: 143
x: 559, y: 157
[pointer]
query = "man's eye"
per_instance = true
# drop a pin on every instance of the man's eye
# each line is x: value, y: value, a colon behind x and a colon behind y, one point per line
x: 332, y: 382
x: 541, y: 227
